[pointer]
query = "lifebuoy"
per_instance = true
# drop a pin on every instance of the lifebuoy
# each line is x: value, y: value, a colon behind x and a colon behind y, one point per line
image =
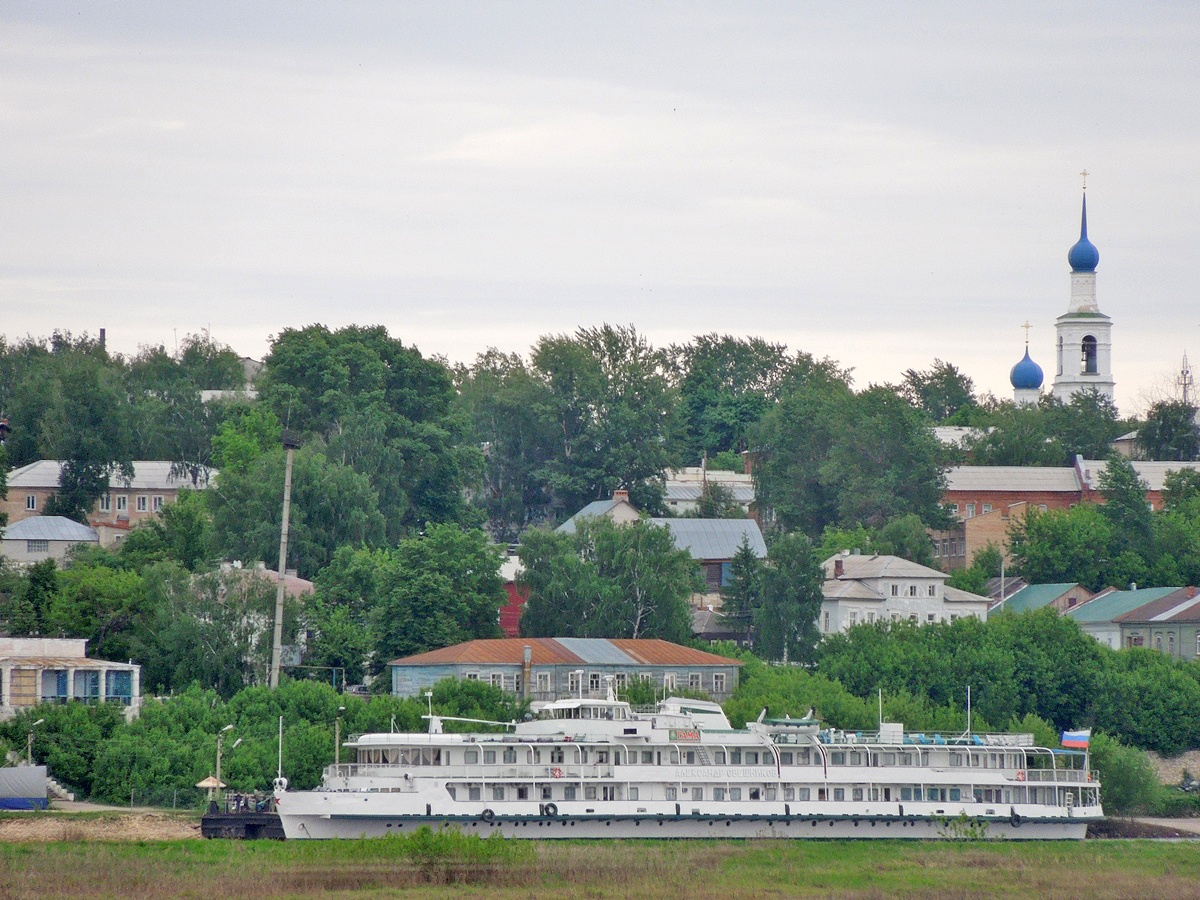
x: 551, y: 810
x: 1021, y: 775
x: 487, y: 815
x: 1089, y: 776
x: 556, y: 772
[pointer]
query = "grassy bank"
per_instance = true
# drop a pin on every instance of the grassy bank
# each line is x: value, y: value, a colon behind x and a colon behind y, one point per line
x: 435, y: 866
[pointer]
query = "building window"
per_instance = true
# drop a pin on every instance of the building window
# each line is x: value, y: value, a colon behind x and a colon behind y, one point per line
x: 594, y: 682
x: 719, y: 677
x: 543, y: 682
x: 933, y: 590
x: 87, y: 684
x: 158, y: 504
x: 669, y: 681
x: 1171, y: 644
x: 970, y: 510
x: 119, y: 686
x: 912, y: 590
x: 496, y: 679
x: 122, y: 503
x: 987, y: 508
x: 37, y: 546
x: 575, y: 684
x: 895, y: 590
x: 825, y: 627
x: 141, y: 503
x: 1158, y: 642
x: 694, y: 681
x: 31, y: 502
x: 106, y: 503
x: 931, y: 617
x: 1087, y: 356
x: 472, y: 676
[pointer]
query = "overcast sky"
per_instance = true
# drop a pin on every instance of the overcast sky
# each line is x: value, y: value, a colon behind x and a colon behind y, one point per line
x: 881, y: 183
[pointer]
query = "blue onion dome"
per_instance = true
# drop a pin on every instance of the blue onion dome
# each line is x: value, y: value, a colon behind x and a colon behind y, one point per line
x: 1026, y: 375
x: 1083, y: 257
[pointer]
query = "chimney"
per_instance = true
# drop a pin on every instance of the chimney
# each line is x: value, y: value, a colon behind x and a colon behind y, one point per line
x: 102, y: 341
x: 620, y: 496
x: 1191, y: 592
x: 838, y: 568
x: 526, y: 671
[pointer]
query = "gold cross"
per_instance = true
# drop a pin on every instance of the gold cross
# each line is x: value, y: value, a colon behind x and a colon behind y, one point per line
x: 1084, y: 173
x: 1026, y: 326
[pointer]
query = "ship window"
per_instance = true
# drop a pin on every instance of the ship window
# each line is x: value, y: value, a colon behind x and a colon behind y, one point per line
x: 874, y: 794
x: 674, y: 757
x: 719, y: 755
x: 803, y: 794
x: 589, y: 792
x: 905, y: 793
x: 522, y: 792
x: 474, y: 793
x: 822, y: 794
x: 569, y: 792
x: 697, y: 793
x: 690, y: 756
x: 956, y: 759
x: 752, y: 757
x: 647, y: 757
x: 670, y: 792
x: 856, y: 794
x: 556, y: 755
x: 770, y: 794
x: 789, y: 793
x: 497, y: 792
x: 510, y: 754
x: 839, y: 793
x: 718, y: 793
x: 855, y: 758
x: 735, y: 793
x: 547, y: 793
x: 906, y: 759
x: 471, y: 757
x: 755, y: 794
x: 633, y: 793
x: 489, y: 757
x: 837, y: 758
x: 803, y: 757
x: 785, y: 758
x: 452, y: 792
x: 955, y: 795
x: 602, y: 757
x: 735, y: 757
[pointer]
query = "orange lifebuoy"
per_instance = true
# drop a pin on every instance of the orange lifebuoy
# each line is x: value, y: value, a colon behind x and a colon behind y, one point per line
x: 1089, y: 776
x: 556, y: 772
x: 1021, y: 776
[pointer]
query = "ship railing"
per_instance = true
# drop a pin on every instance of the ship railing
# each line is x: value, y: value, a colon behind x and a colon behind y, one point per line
x: 1060, y: 776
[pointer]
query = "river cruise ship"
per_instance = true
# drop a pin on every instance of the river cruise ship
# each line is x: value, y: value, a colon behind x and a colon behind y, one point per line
x: 596, y: 768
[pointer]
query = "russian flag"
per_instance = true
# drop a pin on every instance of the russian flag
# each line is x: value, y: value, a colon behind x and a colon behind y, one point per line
x: 1079, y: 739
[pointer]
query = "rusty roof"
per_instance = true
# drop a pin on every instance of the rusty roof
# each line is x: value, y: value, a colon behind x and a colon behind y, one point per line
x: 566, y: 651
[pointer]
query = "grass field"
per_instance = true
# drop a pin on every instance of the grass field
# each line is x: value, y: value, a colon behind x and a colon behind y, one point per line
x: 447, y: 865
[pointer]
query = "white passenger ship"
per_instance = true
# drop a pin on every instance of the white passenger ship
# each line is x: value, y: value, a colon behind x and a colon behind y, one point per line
x: 595, y: 768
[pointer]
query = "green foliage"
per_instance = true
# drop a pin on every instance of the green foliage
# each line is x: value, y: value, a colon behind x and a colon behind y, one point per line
x: 434, y: 590
x: 906, y: 537
x: 941, y: 391
x: 1129, y: 783
x: 100, y: 604
x: 251, y: 431
x: 727, y: 461
x: 1061, y: 545
x: 785, y: 620
x: 742, y: 595
x: 607, y: 580
x: 1170, y: 432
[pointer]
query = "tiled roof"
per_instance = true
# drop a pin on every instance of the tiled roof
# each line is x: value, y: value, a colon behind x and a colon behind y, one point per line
x: 566, y: 651
x: 50, y: 528
x: 1012, y: 478
x: 148, y: 475
x: 1107, y: 607
x: 715, y: 538
x: 1034, y: 596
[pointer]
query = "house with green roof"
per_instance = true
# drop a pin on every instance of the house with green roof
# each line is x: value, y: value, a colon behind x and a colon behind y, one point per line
x: 1098, y: 616
x: 1169, y: 625
x: 1060, y: 597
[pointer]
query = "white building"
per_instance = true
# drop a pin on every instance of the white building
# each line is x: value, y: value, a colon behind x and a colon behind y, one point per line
x: 37, y: 670
x: 864, y: 589
x: 1084, y: 333
x: 684, y: 488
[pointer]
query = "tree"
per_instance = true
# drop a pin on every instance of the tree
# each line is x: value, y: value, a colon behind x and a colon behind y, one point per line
x: 741, y: 596
x: 1015, y: 435
x: 1125, y: 505
x: 332, y: 505
x: 607, y: 580
x: 436, y: 589
x: 1085, y: 426
x: 941, y: 391
x: 613, y: 411
x: 789, y: 601
x: 907, y: 538
x: 101, y: 604
x: 1061, y: 545
x: 1171, y: 432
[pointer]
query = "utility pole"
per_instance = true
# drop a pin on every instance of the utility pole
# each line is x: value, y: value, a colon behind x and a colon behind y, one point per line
x: 289, y: 442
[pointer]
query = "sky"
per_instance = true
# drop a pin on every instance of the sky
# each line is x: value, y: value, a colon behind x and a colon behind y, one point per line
x: 884, y: 184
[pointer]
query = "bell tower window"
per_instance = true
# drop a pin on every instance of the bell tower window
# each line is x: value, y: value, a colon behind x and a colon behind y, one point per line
x: 1087, y: 356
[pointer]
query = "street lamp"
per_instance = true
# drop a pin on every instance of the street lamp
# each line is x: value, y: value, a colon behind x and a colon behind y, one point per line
x: 337, y: 736
x: 29, y: 742
x: 220, y: 740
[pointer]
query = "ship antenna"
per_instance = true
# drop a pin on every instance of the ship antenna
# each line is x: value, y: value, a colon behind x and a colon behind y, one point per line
x: 881, y: 709
x: 968, y: 710
x: 429, y: 698
x: 279, y: 771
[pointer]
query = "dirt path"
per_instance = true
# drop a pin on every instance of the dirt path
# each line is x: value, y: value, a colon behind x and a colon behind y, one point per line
x: 65, y: 822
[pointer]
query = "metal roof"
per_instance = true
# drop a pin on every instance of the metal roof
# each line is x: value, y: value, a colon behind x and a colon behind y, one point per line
x: 856, y: 565
x: 565, y: 651
x: 50, y: 528
x: 595, y: 510
x: 1161, y: 609
x: 848, y: 589
x: 1012, y: 478
x: 674, y: 490
x: 1034, y: 596
x: 1107, y: 607
x: 715, y: 538
x: 1154, y: 473
x: 148, y: 475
